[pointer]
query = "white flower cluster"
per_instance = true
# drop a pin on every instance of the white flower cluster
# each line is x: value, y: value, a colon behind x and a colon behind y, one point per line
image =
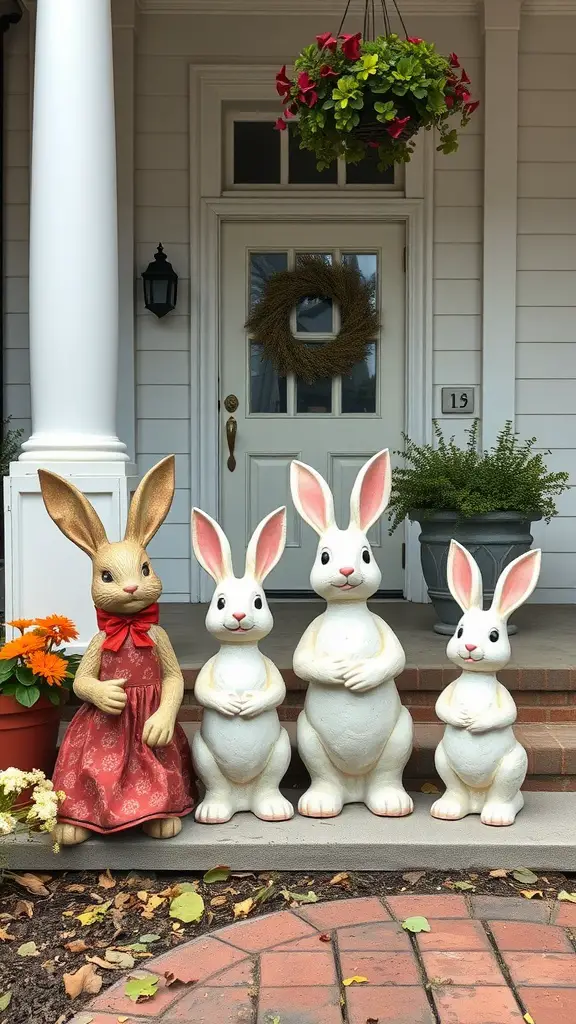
x: 7, y: 823
x: 14, y: 781
x: 44, y: 807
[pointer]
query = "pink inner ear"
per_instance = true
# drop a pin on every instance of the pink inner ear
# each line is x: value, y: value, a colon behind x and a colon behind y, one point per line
x: 516, y: 585
x: 269, y: 543
x: 462, y: 576
x: 372, y: 491
x: 312, y: 498
x: 209, y: 545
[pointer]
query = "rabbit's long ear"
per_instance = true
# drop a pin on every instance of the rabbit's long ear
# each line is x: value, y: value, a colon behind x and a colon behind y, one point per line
x: 72, y: 512
x: 516, y: 583
x: 311, y: 496
x: 211, y: 546
x: 464, y: 577
x: 266, y: 545
x: 151, y: 502
x: 371, y: 491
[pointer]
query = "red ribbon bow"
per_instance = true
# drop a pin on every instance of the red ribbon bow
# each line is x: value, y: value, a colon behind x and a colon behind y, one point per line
x: 117, y: 627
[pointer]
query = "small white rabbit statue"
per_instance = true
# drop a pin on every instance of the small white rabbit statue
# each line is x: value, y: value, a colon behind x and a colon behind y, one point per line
x: 479, y: 758
x: 354, y: 735
x: 241, y: 753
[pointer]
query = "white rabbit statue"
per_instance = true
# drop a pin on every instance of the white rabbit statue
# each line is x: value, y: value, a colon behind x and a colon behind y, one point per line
x: 354, y: 735
x: 479, y: 758
x: 241, y: 753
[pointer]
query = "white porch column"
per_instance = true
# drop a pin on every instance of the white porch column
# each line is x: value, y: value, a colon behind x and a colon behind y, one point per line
x: 501, y: 30
x: 73, y: 312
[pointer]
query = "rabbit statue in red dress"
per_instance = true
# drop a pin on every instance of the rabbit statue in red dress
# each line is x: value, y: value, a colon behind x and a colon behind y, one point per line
x: 124, y: 760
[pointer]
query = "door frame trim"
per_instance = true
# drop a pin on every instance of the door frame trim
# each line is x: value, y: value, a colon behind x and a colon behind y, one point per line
x: 210, y: 87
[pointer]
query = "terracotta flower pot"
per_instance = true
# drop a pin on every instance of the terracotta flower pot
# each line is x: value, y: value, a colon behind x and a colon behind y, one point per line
x: 28, y: 736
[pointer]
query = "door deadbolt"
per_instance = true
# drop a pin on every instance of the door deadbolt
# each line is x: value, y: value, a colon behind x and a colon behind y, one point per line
x: 231, y: 403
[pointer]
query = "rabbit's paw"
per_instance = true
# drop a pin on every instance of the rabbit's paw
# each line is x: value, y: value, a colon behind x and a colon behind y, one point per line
x: 389, y: 801
x: 500, y: 814
x: 321, y: 801
x: 273, y: 806
x: 70, y: 835
x: 163, y: 828
x: 213, y: 811
x: 449, y: 808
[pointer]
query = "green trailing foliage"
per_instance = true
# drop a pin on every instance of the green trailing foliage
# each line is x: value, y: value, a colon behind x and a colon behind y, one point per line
x: 9, y: 446
x: 509, y: 477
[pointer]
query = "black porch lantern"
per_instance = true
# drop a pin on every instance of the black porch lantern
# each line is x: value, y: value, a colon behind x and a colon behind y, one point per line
x: 160, y: 284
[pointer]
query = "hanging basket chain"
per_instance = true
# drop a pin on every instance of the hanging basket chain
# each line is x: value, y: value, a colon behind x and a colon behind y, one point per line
x: 369, y: 24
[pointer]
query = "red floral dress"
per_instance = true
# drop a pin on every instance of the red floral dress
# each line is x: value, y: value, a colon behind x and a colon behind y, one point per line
x: 111, y: 778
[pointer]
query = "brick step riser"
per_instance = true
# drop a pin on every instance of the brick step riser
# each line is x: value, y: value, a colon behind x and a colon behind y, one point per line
x: 519, y: 680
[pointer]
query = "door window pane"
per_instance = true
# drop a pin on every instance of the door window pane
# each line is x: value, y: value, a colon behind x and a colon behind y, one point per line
x: 267, y: 389
x: 366, y: 263
x: 315, y: 315
x: 302, y: 165
x: 359, y: 389
x: 256, y: 153
x: 262, y: 266
x: 316, y: 397
x: 367, y: 173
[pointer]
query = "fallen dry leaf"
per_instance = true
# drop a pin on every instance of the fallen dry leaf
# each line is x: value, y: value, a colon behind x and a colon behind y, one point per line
x: 24, y: 908
x: 324, y: 937
x: 28, y: 949
x: 152, y: 905
x: 76, y: 946
x: 33, y: 883
x: 429, y: 787
x: 5, y: 935
x: 123, y: 900
x: 140, y: 990
x: 413, y: 876
x: 356, y: 979
x: 75, y: 887
x: 525, y: 875
x: 570, y: 897
x: 105, y: 880
x: 120, y: 959
x: 218, y: 901
x: 529, y: 894
x: 243, y: 908
x: 499, y: 873
x: 342, y: 878
x: 94, y: 913
x: 85, y: 980
x: 101, y: 963
x: 528, y: 1018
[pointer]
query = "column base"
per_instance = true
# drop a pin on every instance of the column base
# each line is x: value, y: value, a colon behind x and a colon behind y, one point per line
x: 45, y: 572
x: 44, y: 448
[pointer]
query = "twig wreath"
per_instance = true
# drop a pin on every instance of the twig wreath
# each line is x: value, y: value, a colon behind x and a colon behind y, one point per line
x: 269, y: 322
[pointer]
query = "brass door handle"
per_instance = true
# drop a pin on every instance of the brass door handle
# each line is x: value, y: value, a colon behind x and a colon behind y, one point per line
x: 231, y: 430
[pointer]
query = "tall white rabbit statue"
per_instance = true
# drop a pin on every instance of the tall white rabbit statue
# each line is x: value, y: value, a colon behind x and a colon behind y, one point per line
x: 354, y: 735
x: 479, y: 758
x: 241, y: 753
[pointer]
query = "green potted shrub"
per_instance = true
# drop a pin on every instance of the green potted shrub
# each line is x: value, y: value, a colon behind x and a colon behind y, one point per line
x: 352, y: 95
x: 487, y: 500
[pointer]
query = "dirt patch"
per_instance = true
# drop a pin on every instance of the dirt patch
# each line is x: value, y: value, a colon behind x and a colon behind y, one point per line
x: 135, y: 910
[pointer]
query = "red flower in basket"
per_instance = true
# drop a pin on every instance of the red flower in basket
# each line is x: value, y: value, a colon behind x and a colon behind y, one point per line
x: 414, y: 39
x: 280, y: 125
x: 469, y: 108
x: 397, y: 126
x: 327, y: 72
x: 464, y: 77
x: 307, y: 87
x: 351, y: 46
x: 326, y: 41
x: 454, y: 60
x: 283, y: 83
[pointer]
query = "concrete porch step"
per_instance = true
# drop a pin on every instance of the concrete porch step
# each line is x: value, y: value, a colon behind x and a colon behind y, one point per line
x: 543, y: 838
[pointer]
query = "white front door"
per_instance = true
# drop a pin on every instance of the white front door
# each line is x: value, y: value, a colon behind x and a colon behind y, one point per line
x: 334, y: 425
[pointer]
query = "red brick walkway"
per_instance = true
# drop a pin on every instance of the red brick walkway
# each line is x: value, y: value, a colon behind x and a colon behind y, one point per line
x: 485, y: 961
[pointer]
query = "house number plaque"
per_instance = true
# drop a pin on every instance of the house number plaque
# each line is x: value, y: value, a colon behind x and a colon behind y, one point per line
x: 458, y: 400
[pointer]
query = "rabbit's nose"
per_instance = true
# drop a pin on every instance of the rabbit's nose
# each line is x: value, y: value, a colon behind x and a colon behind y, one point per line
x: 239, y: 616
x: 470, y: 647
x: 347, y: 570
x: 132, y: 589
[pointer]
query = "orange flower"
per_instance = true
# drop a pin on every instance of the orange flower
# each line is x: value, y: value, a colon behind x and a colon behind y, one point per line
x: 50, y: 666
x: 58, y: 628
x: 21, y: 624
x: 22, y: 646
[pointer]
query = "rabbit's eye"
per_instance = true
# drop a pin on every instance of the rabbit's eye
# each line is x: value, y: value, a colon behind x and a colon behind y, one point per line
x: 324, y: 558
x: 366, y: 555
x: 460, y: 632
x: 494, y: 635
x: 107, y: 577
x: 258, y: 602
x: 221, y: 603
x: 145, y: 569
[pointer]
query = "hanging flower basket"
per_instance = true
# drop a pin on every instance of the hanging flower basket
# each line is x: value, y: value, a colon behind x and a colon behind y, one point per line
x: 351, y: 95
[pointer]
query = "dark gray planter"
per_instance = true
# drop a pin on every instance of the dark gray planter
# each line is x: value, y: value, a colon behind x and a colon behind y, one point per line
x: 494, y: 539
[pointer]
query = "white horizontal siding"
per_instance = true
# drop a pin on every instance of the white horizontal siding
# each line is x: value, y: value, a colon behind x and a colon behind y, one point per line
x: 546, y: 280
